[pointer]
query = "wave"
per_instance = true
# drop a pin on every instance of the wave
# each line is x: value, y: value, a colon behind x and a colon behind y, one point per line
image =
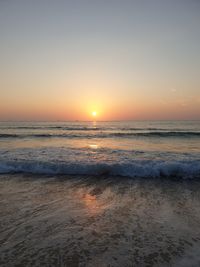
x: 135, y: 169
x: 67, y: 128
x: 92, y: 128
x: 161, y: 134
x: 153, y: 129
x: 105, y: 135
x: 9, y: 135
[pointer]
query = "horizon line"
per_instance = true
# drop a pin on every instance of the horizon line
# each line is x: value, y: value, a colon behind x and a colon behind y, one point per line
x: 100, y: 120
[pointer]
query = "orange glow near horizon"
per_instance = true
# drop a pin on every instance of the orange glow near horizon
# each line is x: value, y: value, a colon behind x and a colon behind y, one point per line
x: 96, y: 104
x: 99, y: 108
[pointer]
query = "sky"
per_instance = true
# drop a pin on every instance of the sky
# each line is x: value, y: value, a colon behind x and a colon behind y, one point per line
x: 123, y: 59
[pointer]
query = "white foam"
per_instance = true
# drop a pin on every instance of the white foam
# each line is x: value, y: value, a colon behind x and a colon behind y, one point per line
x: 139, y: 168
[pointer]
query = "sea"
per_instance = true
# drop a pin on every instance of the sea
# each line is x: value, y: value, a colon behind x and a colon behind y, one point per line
x: 103, y: 194
x: 142, y: 149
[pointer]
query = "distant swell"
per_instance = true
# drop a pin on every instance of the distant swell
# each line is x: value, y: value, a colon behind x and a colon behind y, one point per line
x: 86, y: 128
x: 137, y: 168
x: 161, y: 134
x: 67, y: 128
x: 106, y: 135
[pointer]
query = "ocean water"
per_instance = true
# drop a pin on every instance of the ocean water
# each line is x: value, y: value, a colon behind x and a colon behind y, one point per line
x: 135, y: 149
x: 84, y: 194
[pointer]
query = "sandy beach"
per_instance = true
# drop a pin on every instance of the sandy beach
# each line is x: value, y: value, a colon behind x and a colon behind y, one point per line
x: 98, y: 221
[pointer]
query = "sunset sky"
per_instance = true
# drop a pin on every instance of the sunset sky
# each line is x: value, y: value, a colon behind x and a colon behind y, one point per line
x: 123, y: 59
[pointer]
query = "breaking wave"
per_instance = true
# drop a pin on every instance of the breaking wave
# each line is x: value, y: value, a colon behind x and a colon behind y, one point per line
x: 134, y: 169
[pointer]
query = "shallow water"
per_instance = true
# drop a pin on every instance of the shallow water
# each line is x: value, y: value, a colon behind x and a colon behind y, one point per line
x: 98, y: 221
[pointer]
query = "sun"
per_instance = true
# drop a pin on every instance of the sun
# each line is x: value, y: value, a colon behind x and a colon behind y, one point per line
x: 94, y: 113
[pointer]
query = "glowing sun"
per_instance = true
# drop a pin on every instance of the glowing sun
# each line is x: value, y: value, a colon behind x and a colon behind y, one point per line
x: 94, y: 113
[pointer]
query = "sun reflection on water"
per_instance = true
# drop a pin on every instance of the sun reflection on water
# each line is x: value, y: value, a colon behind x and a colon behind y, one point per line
x: 91, y: 203
x: 94, y: 124
x: 93, y: 146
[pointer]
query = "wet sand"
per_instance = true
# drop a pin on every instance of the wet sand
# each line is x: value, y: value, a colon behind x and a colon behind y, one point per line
x: 90, y: 221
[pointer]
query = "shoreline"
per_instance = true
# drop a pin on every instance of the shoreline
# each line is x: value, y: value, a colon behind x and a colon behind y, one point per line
x: 87, y: 221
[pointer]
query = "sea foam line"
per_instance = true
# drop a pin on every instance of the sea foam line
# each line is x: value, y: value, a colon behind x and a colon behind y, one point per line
x: 137, y: 168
